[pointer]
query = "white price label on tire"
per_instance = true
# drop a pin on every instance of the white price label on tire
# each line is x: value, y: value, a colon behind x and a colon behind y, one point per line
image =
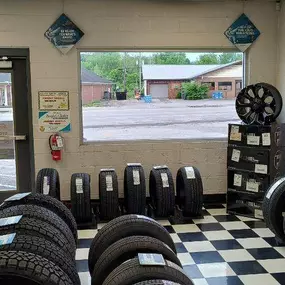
x: 261, y: 168
x: 190, y: 173
x: 258, y: 214
x: 109, y: 183
x: 253, y: 140
x: 274, y: 187
x: 164, y: 178
x: 17, y: 197
x: 236, y: 155
x: 235, y: 129
x: 266, y: 140
x: 237, y: 180
x: 7, y: 239
x: 235, y: 137
x: 79, y: 185
x: 46, y: 185
x: 252, y: 186
x: 136, y: 177
x: 10, y: 221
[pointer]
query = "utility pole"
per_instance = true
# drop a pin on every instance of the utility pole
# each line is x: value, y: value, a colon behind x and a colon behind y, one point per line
x: 140, y: 73
x: 125, y: 71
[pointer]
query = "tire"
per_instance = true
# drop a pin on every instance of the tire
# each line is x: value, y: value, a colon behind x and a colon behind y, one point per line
x: 189, y: 191
x: 156, y: 282
x: 135, y: 189
x: 46, y: 249
x: 132, y: 272
x: 41, y: 214
x: 273, y: 207
x: 18, y: 267
x: 162, y: 198
x: 125, y: 249
x: 126, y: 226
x: 32, y: 227
x: 48, y: 182
x: 109, y: 197
x: 49, y: 203
x: 80, y: 197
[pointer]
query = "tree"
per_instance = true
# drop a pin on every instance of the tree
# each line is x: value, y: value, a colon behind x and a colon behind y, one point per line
x: 225, y: 58
x: 170, y: 58
x: 210, y: 58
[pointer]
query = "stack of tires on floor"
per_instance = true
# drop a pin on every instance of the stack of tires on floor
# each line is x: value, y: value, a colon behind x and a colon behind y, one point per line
x: 134, y: 249
x: 38, y: 238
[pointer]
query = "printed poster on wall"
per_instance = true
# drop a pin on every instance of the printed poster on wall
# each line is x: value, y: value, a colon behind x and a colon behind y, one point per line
x: 54, y: 121
x: 64, y: 34
x: 242, y: 33
x: 53, y: 100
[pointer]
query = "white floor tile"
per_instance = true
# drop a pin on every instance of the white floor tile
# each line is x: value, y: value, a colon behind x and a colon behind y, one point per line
x: 206, y: 220
x: 85, y: 278
x: 185, y: 259
x: 247, y: 219
x: 217, y: 211
x: 236, y: 255
x: 164, y: 222
x: 199, y: 246
x: 263, y: 232
x: 175, y: 238
x: 273, y: 265
x: 218, y: 235
x: 281, y: 250
x: 84, y: 234
x: 234, y: 225
x: 253, y: 243
x: 190, y: 228
x: 216, y: 270
x: 199, y: 281
x: 258, y: 279
x: 82, y: 254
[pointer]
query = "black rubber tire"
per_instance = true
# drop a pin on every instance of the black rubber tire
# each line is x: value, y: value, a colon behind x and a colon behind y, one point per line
x: 126, y: 226
x: 128, y: 248
x: 132, y: 272
x: 34, y: 227
x: 54, y: 183
x: 189, y: 192
x: 81, y: 202
x: 274, y: 206
x: 109, y: 200
x: 135, y: 195
x: 19, y: 267
x: 49, y: 203
x: 46, y: 249
x: 162, y: 199
x: 41, y: 214
x: 157, y: 282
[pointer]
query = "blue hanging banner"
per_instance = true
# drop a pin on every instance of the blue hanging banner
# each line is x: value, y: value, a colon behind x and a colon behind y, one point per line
x: 64, y: 34
x: 242, y: 33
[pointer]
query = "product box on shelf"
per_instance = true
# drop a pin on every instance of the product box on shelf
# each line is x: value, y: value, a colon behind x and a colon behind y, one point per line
x: 248, y: 182
x: 257, y: 135
x: 244, y: 204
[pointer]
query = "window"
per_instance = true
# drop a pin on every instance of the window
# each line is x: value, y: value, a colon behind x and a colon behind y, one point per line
x: 225, y: 86
x: 139, y: 95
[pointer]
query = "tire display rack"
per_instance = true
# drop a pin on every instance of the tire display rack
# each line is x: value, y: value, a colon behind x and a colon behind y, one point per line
x: 255, y: 159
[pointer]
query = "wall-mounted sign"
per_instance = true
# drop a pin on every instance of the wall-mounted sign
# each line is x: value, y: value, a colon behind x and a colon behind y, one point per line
x: 64, y: 34
x: 53, y: 100
x: 54, y: 121
x: 242, y: 33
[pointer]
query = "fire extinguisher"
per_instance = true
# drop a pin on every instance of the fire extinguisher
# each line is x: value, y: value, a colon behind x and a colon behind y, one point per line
x: 56, y: 146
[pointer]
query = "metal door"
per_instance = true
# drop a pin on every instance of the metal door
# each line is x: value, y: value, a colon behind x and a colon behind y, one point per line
x: 159, y: 91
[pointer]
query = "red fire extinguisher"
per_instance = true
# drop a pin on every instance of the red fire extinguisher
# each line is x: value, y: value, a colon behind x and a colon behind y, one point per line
x: 56, y: 146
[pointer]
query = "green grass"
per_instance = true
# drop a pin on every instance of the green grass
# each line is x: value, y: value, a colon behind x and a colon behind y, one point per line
x: 96, y: 103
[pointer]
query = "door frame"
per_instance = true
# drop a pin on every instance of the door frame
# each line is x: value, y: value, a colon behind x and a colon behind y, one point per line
x: 27, y: 183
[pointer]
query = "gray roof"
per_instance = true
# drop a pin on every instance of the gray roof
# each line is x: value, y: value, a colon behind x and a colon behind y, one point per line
x: 5, y: 77
x: 88, y: 76
x: 179, y: 72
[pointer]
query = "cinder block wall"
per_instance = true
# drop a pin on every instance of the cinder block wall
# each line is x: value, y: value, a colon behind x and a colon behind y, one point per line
x: 118, y: 24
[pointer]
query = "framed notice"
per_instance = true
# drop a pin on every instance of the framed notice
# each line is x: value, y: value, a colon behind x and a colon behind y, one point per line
x: 54, y: 121
x: 53, y: 100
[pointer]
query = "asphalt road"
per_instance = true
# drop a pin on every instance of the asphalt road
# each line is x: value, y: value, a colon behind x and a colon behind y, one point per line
x: 134, y: 120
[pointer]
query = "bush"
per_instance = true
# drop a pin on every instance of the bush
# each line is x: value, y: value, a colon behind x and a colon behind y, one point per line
x: 178, y: 96
x: 194, y: 91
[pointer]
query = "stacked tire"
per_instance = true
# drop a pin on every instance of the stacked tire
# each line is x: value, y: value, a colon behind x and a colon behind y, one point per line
x: 38, y: 237
x: 133, y: 249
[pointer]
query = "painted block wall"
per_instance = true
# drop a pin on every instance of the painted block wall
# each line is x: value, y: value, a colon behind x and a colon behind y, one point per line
x: 118, y: 24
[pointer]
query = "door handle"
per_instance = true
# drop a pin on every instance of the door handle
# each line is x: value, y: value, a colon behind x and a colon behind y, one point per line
x: 16, y: 138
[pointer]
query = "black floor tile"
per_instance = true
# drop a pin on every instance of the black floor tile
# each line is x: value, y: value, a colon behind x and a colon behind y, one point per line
x: 280, y: 277
x: 84, y: 243
x: 211, y: 227
x: 82, y: 265
x: 206, y: 257
x: 255, y: 224
x: 264, y: 253
x: 229, y: 280
x: 214, y: 206
x: 226, y: 244
x: 272, y: 241
x: 185, y: 237
x: 170, y: 229
x: 226, y: 218
x: 193, y: 271
x: 247, y: 267
x: 205, y: 213
x: 180, y: 248
x: 247, y: 233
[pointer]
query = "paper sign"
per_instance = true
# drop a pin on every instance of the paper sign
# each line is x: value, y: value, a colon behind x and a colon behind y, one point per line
x: 237, y: 180
x: 253, y: 140
x: 235, y: 137
x: 236, y: 155
x: 164, y: 178
x: 54, y: 121
x: 79, y: 185
x: 252, y: 186
x: 261, y: 168
x: 190, y: 173
x: 53, y: 100
x: 109, y: 183
x: 266, y: 141
x: 258, y: 214
x: 235, y: 129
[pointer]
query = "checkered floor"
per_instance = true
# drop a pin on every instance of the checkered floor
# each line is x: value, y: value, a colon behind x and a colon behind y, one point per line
x: 219, y: 249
